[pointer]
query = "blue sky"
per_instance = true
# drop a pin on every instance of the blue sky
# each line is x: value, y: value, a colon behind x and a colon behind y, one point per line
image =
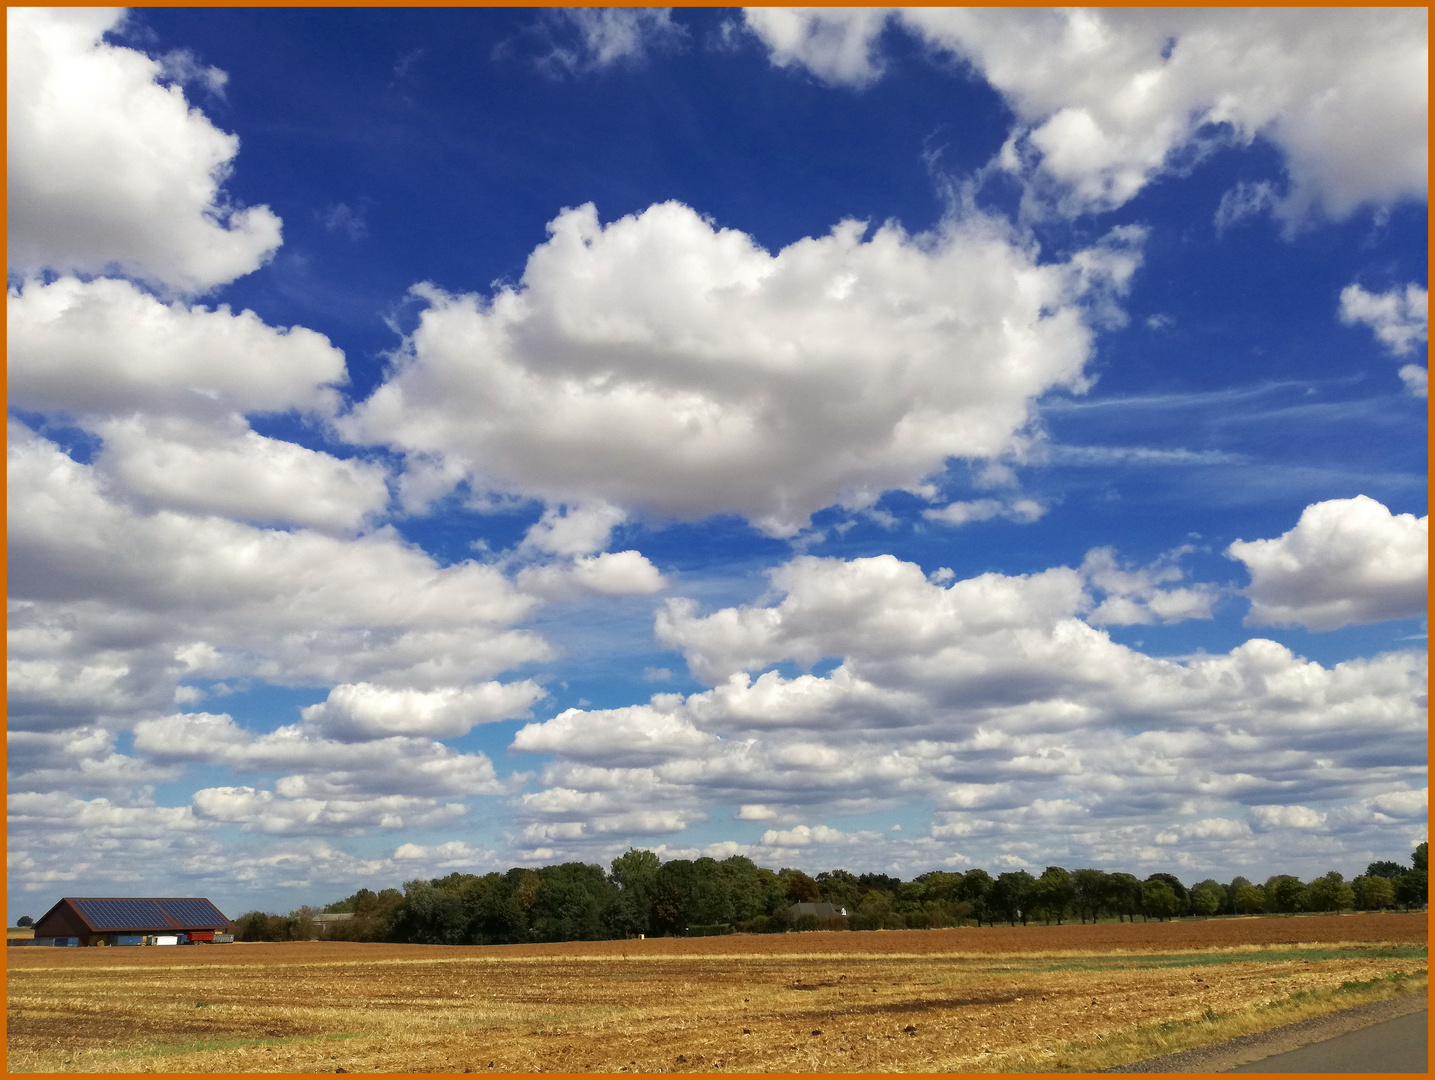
x: 456, y: 439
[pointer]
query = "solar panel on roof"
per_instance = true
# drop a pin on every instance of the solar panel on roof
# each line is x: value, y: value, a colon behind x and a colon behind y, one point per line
x: 119, y: 914
x: 200, y: 914
x: 176, y: 914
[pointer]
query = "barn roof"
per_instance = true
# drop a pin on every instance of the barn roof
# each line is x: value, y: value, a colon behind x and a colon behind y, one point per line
x: 144, y: 913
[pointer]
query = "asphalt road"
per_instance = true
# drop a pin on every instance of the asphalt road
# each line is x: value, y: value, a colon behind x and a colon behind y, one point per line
x: 1379, y: 1036
x: 1395, y: 1046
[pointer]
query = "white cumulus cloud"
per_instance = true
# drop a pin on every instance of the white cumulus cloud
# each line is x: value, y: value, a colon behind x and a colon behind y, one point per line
x: 357, y: 711
x: 110, y: 169
x: 803, y: 835
x: 234, y: 472
x: 1108, y: 100
x: 992, y: 698
x: 107, y: 348
x: 613, y: 573
x: 663, y: 364
x: 1347, y: 561
x: 1286, y: 817
x: 257, y: 810
x: 202, y: 597
x: 1137, y: 595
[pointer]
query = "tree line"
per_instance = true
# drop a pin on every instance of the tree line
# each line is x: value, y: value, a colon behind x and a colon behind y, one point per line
x: 640, y: 895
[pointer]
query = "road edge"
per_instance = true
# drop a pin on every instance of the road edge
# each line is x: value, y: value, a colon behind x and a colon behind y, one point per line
x: 1256, y: 1046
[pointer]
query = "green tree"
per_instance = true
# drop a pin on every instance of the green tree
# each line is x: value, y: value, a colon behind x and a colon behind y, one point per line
x: 372, y: 911
x: 754, y: 892
x: 839, y: 887
x: 1123, y: 895
x: 1285, y: 893
x: 432, y: 914
x: 1412, y: 890
x: 935, y: 899
x: 634, y: 873
x: 252, y: 926
x: 1054, y: 894
x: 1420, y: 856
x: 878, y: 911
x: 1213, y: 886
x: 1089, y: 889
x: 941, y: 885
x: 1012, y: 894
x: 1248, y: 899
x: 714, y: 897
x: 1373, y: 893
x: 1183, y: 896
x: 1205, y: 901
x: 635, y: 869
x: 24, y: 921
x: 1329, y: 893
x: 1158, y: 899
x: 1231, y: 889
x: 975, y: 890
x: 493, y: 913
x: 571, y: 903
x: 885, y: 882
x: 1386, y: 868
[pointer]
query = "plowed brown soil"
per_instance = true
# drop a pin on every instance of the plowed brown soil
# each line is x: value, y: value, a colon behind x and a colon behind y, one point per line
x: 965, y: 999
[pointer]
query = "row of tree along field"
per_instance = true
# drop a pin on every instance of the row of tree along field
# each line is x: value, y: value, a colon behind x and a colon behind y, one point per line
x: 642, y: 895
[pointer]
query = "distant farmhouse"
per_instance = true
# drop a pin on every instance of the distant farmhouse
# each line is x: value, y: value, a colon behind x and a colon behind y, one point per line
x: 91, y: 920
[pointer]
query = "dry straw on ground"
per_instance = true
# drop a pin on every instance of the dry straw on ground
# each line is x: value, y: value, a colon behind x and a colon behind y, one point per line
x: 1025, y: 998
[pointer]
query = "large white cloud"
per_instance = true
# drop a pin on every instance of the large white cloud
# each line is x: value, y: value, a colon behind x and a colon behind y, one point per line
x: 139, y: 600
x: 234, y: 472
x: 1107, y: 100
x: 664, y: 364
x: 107, y: 348
x: 1346, y: 561
x: 1033, y: 733
x: 165, y: 386
x: 108, y: 168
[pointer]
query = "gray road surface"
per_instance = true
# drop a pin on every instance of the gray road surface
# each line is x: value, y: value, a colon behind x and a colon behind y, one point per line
x: 1396, y: 1046
x: 1380, y: 1036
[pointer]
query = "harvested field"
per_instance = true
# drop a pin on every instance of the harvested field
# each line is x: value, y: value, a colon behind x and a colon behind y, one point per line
x: 1048, y: 998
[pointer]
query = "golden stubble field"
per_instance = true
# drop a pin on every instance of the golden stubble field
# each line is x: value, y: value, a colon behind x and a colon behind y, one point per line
x: 1033, y: 998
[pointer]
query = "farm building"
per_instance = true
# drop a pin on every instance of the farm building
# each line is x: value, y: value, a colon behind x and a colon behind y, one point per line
x: 822, y: 911
x: 110, y: 920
